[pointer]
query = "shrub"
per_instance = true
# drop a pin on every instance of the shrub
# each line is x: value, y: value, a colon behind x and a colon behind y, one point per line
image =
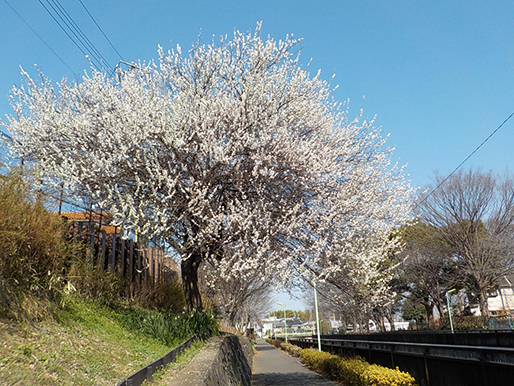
x: 172, y: 328
x: 469, y: 322
x: 295, y: 351
x: 378, y: 375
x: 352, y: 370
x: 275, y: 342
x: 285, y: 346
x: 165, y: 295
x: 355, y: 371
x: 33, y: 249
x: 314, y: 358
x: 291, y: 349
x: 89, y: 281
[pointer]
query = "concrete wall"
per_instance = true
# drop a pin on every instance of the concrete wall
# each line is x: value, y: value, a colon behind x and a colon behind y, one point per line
x: 224, y: 361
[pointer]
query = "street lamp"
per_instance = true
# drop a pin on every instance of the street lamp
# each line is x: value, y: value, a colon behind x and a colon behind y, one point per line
x: 317, y: 315
x: 274, y: 322
x: 285, y: 319
x: 449, y: 309
x: 315, y: 306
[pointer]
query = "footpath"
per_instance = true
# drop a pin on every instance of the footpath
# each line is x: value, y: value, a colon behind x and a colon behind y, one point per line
x: 271, y: 367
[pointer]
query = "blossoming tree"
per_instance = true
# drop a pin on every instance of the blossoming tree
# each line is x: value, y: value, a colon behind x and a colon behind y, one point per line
x: 233, y: 152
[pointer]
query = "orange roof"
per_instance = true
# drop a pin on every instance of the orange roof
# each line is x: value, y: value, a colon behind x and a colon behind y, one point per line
x: 110, y: 229
x: 95, y: 217
x: 85, y: 216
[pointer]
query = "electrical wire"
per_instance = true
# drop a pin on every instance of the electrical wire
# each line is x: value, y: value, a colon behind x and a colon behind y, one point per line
x: 66, y: 32
x: 92, y: 57
x: 463, y: 162
x: 39, y: 36
x: 101, y: 30
x: 84, y: 39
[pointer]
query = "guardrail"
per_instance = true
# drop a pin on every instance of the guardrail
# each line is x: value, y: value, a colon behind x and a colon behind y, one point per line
x: 292, y: 335
x: 146, y: 373
x: 478, y: 354
x: 490, y: 338
x: 430, y: 364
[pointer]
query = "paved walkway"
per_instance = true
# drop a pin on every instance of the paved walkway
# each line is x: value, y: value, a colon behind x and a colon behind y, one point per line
x: 271, y: 367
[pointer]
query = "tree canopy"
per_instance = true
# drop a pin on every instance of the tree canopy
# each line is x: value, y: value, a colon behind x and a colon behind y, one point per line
x: 474, y: 214
x: 233, y: 152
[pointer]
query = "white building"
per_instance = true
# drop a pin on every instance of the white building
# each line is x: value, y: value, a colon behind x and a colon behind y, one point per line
x: 501, y: 301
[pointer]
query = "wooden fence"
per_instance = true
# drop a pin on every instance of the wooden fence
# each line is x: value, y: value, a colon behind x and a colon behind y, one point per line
x: 137, y: 262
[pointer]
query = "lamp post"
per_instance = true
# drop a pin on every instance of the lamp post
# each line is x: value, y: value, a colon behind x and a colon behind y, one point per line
x: 448, y: 305
x: 274, y: 322
x: 317, y: 315
x: 315, y: 306
x: 285, y: 319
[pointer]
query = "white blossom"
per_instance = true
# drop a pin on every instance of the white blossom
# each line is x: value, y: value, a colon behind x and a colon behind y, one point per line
x: 233, y: 152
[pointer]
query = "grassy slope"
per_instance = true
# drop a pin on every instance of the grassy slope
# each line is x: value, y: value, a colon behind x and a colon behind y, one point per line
x: 88, y: 346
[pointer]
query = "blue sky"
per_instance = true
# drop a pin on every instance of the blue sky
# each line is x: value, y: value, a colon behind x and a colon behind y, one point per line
x: 438, y: 75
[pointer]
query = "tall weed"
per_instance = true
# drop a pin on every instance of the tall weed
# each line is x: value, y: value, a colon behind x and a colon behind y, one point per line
x: 172, y: 328
x: 87, y: 280
x: 164, y: 295
x: 33, y: 250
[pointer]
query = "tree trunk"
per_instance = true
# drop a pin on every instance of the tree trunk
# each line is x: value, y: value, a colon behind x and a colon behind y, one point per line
x: 189, y: 268
x: 484, y: 307
x: 390, y: 319
x: 231, y: 319
x: 429, y: 307
x: 440, y: 309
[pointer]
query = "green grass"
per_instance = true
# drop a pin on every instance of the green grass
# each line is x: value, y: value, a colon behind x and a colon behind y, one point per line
x: 171, y: 328
x: 47, y: 336
x: 87, y: 344
x: 163, y: 376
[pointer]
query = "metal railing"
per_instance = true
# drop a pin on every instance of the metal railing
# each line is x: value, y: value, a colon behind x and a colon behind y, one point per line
x: 489, y: 365
x: 490, y: 338
x: 479, y: 354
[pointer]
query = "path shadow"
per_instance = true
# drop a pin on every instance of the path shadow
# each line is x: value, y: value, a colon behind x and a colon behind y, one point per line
x: 264, y: 348
x: 288, y: 379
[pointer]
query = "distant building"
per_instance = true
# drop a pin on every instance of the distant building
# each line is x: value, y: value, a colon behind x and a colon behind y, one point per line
x: 294, y: 326
x: 99, y: 221
x: 501, y: 300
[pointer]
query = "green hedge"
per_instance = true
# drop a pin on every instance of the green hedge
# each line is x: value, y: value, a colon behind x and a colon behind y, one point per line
x: 291, y: 349
x: 356, y: 371
x: 349, y: 371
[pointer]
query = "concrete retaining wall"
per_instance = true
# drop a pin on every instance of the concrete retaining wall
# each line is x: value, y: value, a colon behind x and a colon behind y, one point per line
x: 224, y: 361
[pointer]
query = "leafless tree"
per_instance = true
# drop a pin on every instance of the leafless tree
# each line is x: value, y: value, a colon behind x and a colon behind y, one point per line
x: 239, y: 299
x: 474, y: 212
x: 428, y: 269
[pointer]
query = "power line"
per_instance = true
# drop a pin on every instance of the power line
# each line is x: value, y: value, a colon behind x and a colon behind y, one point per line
x: 101, y: 30
x: 67, y: 34
x: 64, y: 30
x: 462, y: 163
x: 43, y: 40
x: 85, y: 40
